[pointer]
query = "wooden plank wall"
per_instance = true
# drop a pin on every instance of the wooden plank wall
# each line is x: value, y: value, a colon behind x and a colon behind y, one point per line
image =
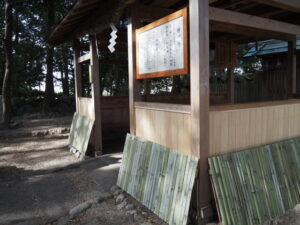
x: 241, y: 127
x: 232, y: 127
x: 161, y: 178
x: 86, y: 107
x: 274, y: 77
x: 114, y: 111
x: 170, y: 128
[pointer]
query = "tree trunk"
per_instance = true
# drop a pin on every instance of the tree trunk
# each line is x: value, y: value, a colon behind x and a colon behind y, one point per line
x: 6, y: 90
x: 61, y: 70
x: 65, y: 81
x: 49, y: 92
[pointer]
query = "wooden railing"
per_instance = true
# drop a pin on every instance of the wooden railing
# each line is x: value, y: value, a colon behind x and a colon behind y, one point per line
x: 232, y: 127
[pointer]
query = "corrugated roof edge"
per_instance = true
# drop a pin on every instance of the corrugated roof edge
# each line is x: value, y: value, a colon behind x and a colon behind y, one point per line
x: 267, y: 49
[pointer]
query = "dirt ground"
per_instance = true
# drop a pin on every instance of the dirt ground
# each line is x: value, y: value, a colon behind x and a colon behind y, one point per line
x: 41, y: 181
x: 291, y: 217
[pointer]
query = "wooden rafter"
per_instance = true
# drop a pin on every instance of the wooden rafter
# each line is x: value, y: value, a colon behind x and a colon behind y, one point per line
x: 95, y: 20
x: 250, y: 32
x: 164, y: 3
x: 290, y: 5
x: 223, y: 16
x: 150, y: 13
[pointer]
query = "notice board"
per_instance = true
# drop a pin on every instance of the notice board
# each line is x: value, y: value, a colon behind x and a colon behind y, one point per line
x: 162, y: 47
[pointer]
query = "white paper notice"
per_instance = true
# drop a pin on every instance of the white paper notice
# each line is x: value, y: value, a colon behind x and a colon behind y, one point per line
x: 161, y: 48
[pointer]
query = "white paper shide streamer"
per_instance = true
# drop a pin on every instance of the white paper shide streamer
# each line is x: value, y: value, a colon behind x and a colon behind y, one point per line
x: 112, y: 41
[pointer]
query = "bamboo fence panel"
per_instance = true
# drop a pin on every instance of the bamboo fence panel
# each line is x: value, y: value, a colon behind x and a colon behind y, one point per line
x: 80, y: 133
x: 256, y: 185
x: 160, y: 178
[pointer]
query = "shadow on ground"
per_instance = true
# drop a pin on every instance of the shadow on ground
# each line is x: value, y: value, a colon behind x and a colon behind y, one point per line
x: 41, y: 180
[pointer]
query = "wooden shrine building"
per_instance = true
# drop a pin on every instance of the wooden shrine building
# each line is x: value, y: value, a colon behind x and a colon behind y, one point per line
x: 192, y: 119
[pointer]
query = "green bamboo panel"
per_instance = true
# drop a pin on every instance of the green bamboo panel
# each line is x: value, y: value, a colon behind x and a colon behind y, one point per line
x: 160, y: 178
x: 256, y: 185
x: 80, y: 133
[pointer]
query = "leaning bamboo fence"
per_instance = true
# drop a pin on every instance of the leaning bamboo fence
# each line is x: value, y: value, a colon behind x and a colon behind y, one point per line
x: 258, y: 184
x: 161, y: 178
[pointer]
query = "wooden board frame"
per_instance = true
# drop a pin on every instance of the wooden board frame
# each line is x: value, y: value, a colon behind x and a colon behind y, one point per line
x: 181, y: 13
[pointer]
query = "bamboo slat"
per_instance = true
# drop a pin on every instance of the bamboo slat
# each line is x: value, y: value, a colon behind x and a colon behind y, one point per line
x: 161, y: 178
x: 253, y: 186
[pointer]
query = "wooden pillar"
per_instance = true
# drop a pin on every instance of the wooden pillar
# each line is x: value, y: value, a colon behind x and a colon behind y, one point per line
x: 134, y: 85
x: 230, y: 85
x: 96, y: 95
x: 77, y: 73
x: 199, y: 72
x: 292, y: 70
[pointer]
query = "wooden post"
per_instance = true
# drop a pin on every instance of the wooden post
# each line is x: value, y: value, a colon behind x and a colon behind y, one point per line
x: 96, y: 95
x: 230, y: 85
x: 292, y: 70
x: 199, y: 72
x: 77, y: 73
x: 134, y: 85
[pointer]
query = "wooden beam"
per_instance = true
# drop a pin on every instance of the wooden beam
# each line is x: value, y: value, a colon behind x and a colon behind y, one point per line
x: 120, y: 48
x: 249, y: 32
x: 199, y: 73
x: 77, y: 72
x: 165, y: 3
x: 232, y: 4
x: 165, y: 107
x: 84, y: 58
x: 150, y: 13
x: 289, y: 5
x: 273, y: 13
x: 96, y: 93
x: 134, y: 85
x: 249, y: 21
x: 113, y: 62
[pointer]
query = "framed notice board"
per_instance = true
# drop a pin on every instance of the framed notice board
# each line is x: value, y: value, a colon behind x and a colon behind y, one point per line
x: 162, y: 47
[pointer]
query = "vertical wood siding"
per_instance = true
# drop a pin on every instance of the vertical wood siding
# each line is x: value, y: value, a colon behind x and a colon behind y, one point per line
x: 86, y: 107
x: 170, y: 129
x: 114, y: 113
x: 237, y: 129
